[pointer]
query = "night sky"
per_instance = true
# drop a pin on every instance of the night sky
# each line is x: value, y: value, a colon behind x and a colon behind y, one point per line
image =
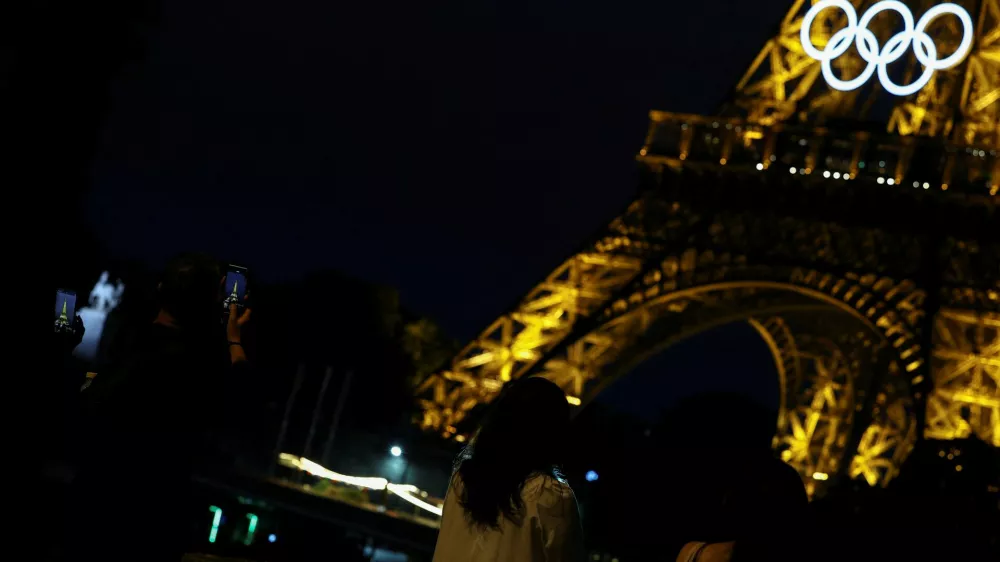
x: 457, y: 151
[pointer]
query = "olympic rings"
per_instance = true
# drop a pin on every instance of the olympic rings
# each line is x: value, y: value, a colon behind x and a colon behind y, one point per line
x: 857, y: 32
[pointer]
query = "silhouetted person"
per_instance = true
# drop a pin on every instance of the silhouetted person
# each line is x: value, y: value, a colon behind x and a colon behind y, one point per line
x: 137, y: 307
x: 61, y: 376
x: 149, y: 415
x: 507, y: 500
x: 722, y: 482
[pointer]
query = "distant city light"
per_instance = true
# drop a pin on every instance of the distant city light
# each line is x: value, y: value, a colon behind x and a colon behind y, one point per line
x: 880, y: 181
x: 836, y: 175
x: 404, y: 491
x: 272, y: 537
x: 573, y: 400
x: 890, y: 181
x: 826, y: 173
x: 760, y: 166
x: 927, y: 185
x: 820, y: 476
x: 396, y: 450
x: 792, y: 170
x: 591, y: 476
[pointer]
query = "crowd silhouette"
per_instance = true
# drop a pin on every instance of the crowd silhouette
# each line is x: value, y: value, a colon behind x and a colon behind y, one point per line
x: 708, y: 488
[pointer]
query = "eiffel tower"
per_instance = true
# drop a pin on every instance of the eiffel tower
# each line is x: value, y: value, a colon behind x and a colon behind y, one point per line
x: 852, y: 224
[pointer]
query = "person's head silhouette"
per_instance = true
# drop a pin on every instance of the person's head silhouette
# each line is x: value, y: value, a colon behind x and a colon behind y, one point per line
x: 523, y: 435
x: 190, y: 292
x: 719, y: 420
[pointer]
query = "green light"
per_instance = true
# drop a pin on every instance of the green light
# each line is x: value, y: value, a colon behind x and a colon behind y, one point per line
x: 215, y: 523
x: 251, y: 529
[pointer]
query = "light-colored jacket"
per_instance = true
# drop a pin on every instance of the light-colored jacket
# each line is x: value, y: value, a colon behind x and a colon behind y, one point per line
x: 547, y: 529
x: 705, y: 552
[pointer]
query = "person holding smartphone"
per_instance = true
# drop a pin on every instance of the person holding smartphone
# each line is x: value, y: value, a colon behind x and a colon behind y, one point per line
x: 59, y: 380
x: 151, y: 416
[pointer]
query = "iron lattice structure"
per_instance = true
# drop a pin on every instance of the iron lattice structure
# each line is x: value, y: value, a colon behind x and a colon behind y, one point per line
x: 868, y: 261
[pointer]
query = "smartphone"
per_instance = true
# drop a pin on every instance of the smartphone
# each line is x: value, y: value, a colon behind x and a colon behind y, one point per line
x: 65, y: 310
x: 235, y: 286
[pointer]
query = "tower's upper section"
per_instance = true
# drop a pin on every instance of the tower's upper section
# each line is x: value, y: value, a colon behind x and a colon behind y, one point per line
x: 925, y: 67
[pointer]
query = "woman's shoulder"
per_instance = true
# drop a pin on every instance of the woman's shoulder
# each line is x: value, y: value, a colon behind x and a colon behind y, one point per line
x: 546, y: 489
x: 551, y: 498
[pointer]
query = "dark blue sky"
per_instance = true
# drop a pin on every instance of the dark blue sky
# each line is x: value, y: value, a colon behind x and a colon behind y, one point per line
x: 454, y: 151
x: 730, y: 358
x: 457, y: 151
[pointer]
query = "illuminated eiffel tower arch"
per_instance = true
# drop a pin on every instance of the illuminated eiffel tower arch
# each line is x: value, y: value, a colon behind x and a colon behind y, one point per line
x: 868, y: 260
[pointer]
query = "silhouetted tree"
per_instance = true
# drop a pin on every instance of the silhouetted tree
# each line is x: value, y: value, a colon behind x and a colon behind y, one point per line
x: 428, y: 347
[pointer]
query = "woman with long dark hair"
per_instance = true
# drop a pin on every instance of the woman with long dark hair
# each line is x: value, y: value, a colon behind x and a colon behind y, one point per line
x: 508, y: 500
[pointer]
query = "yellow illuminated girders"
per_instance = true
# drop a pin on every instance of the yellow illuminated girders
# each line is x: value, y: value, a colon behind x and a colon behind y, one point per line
x: 812, y: 436
x: 965, y: 366
x: 515, y: 341
x: 784, y: 83
x: 979, y: 99
x: 930, y: 112
x: 781, y: 84
x: 814, y: 425
x: 884, y: 446
x: 787, y: 359
x: 782, y: 75
x: 813, y: 431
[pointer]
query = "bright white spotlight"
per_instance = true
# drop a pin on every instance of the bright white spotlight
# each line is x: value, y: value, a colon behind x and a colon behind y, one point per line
x: 395, y: 450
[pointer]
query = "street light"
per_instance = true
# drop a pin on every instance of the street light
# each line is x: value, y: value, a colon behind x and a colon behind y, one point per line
x: 395, y: 450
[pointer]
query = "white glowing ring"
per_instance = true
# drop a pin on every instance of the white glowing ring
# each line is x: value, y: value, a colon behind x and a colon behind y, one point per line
x: 857, y: 32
